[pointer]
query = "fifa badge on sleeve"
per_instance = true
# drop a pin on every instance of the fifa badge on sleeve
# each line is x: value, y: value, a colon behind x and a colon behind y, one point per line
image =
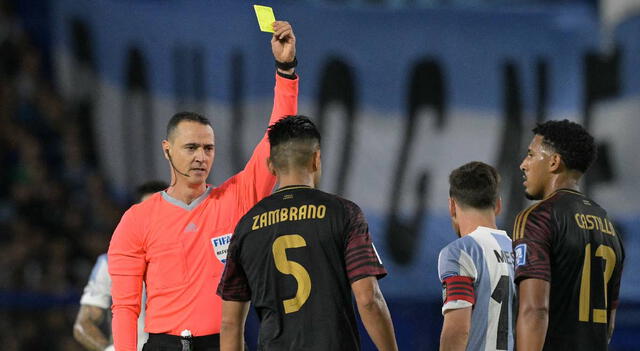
x: 521, y: 254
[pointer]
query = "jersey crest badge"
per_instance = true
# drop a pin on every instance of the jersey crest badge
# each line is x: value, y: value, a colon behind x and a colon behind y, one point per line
x: 221, y: 245
x: 521, y: 254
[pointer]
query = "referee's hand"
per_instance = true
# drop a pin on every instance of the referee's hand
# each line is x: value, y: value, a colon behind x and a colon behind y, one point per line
x: 283, y: 42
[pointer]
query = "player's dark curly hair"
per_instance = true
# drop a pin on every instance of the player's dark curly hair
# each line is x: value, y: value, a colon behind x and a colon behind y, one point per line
x: 293, y: 141
x: 185, y: 116
x: 574, y: 144
x: 475, y: 184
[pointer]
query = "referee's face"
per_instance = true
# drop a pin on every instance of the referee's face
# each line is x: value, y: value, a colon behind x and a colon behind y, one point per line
x: 192, y: 151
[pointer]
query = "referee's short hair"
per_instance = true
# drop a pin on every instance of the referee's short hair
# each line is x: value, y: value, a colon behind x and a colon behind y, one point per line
x: 185, y: 116
x: 475, y: 185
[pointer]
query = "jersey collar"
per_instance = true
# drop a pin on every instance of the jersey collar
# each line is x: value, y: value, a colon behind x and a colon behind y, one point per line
x: 183, y: 205
x: 291, y: 187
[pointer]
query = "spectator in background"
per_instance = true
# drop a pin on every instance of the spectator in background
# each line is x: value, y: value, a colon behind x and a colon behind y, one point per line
x: 55, y: 216
x: 90, y: 329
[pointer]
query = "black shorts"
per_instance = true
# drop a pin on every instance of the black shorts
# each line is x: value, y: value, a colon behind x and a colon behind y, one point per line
x: 166, y: 342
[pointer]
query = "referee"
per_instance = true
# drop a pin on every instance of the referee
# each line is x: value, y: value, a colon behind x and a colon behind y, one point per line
x: 176, y: 241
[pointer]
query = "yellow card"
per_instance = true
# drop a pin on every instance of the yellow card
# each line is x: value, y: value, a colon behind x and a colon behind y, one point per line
x: 265, y: 17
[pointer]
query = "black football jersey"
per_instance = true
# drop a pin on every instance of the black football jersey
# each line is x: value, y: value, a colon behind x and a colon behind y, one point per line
x: 568, y: 240
x: 295, y: 255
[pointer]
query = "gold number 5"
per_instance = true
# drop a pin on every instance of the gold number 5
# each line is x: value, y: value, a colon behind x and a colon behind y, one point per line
x: 292, y: 268
x: 609, y: 256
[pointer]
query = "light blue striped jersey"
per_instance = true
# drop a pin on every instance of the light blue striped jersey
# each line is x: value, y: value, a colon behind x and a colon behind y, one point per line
x: 485, y: 255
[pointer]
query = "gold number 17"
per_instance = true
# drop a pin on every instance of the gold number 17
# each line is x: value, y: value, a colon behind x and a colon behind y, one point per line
x: 609, y: 256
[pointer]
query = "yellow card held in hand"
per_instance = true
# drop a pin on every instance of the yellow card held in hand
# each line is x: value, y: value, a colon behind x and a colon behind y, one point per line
x: 265, y: 18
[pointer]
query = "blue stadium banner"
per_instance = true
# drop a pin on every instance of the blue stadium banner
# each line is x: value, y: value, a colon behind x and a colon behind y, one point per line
x: 402, y: 97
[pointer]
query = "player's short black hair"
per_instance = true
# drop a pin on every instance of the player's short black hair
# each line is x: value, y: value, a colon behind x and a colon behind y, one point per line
x: 185, y: 116
x: 150, y: 187
x: 475, y: 184
x: 293, y: 141
x: 574, y: 144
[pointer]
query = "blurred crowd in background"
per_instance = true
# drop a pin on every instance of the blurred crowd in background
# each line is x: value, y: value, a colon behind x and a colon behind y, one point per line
x: 56, y: 211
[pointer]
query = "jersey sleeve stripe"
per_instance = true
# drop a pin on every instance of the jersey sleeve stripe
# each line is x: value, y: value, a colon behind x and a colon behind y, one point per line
x: 354, y: 259
x: 519, y: 234
x: 516, y: 226
x: 357, y: 249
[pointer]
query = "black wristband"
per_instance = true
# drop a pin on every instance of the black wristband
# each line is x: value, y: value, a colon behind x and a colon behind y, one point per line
x: 287, y: 76
x: 287, y: 65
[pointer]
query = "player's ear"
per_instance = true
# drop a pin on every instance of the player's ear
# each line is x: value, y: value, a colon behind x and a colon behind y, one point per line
x: 452, y: 207
x: 270, y: 166
x: 317, y: 162
x: 555, y: 162
x: 498, y: 207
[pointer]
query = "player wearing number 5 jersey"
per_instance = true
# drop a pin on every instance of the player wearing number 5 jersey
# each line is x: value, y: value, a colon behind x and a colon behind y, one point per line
x: 298, y: 255
x: 476, y: 270
x: 568, y: 255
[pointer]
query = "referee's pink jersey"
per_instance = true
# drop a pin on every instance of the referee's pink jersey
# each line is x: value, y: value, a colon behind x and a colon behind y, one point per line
x: 172, y: 247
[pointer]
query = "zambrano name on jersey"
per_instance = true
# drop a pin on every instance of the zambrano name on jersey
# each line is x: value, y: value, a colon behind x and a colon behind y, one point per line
x: 293, y: 213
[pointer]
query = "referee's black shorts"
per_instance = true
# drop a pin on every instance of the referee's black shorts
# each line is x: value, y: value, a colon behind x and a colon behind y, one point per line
x: 166, y: 342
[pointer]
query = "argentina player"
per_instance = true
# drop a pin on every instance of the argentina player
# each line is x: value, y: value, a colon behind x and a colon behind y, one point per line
x: 476, y: 270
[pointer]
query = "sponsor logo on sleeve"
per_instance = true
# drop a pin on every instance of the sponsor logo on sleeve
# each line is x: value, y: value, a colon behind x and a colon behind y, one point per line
x: 521, y: 255
x: 221, y: 245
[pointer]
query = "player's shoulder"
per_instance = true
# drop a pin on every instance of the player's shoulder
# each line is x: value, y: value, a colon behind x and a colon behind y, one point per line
x: 349, y: 207
x: 543, y: 205
x: 485, y: 234
x: 466, y: 244
x: 460, y: 257
x: 332, y: 201
x: 539, y: 212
